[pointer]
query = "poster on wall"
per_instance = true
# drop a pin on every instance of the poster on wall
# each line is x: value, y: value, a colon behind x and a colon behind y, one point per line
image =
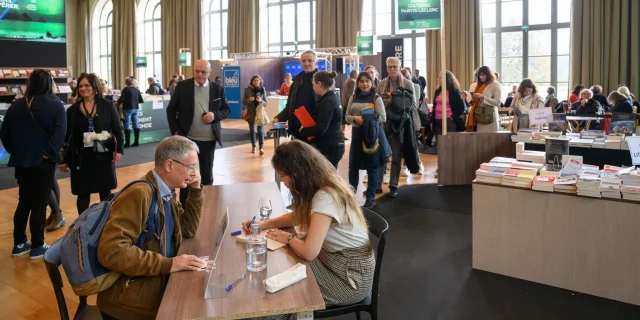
x: 418, y: 14
x: 184, y: 58
x: 32, y: 20
x: 365, y: 45
x: 391, y: 48
x: 232, y: 89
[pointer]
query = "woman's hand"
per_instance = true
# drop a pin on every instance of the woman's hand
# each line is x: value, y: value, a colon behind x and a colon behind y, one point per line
x: 258, y: 99
x: 477, y: 96
x: 63, y: 167
x: 358, y: 119
x: 247, y: 228
x: 278, y: 235
x: 252, y: 99
x: 116, y: 157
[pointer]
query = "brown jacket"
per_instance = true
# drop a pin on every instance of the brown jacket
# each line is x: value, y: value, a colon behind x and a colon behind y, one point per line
x: 145, y: 272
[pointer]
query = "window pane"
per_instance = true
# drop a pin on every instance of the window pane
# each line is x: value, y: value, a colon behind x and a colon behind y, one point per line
x: 490, y: 62
x: 539, y: 12
x: 383, y: 24
x: 215, y: 27
x: 206, y: 33
x: 562, y: 91
x: 367, y: 24
x: 512, y: 44
x: 563, y: 68
x: 156, y: 12
x: 289, y: 48
x: 408, y: 52
x: 564, y: 10
x: 564, y: 41
x: 274, y: 15
x: 304, y: 46
x: 215, y: 55
x: 540, y: 43
x: 511, y: 70
x: 215, y: 5
x: 489, y: 44
x: 540, y: 69
x: 512, y: 13
x: 383, y: 6
x: 225, y: 54
x: 421, y: 48
x: 288, y: 27
x: 224, y: 29
x: 304, y: 11
x: 377, y: 46
x: 304, y: 31
x: 225, y: 4
x: 489, y: 15
x: 274, y: 33
x: 420, y: 65
x: 156, y: 36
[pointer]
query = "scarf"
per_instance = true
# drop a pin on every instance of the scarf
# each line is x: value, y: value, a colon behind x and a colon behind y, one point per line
x: 474, y: 103
x: 388, y: 88
x: 257, y: 92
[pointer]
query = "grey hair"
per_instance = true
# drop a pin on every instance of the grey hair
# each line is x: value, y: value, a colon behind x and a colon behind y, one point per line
x: 587, y: 90
x: 315, y: 56
x: 553, y: 90
x: 395, y: 59
x: 151, y: 79
x: 174, y: 148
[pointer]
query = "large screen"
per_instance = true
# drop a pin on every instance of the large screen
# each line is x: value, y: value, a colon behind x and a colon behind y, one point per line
x: 32, y: 20
x: 295, y: 67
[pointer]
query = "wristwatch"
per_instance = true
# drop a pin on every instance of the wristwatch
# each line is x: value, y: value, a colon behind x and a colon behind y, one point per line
x: 289, y: 238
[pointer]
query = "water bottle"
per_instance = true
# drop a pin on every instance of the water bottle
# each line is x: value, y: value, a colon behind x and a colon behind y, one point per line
x: 256, y: 250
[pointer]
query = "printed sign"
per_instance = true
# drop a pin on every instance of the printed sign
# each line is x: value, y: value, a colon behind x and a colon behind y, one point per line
x: 391, y: 48
x: 231, y: 81
x: 540, y: 116
x: 184, y: 59
x: 365, y: 45
x: 634, y: 149
x: 418, y: 14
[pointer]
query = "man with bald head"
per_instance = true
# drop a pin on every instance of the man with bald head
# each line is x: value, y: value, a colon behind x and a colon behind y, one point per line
x: 196, y: 108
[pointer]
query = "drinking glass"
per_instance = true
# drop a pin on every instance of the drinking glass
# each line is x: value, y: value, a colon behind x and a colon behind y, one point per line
x: 264, y: 208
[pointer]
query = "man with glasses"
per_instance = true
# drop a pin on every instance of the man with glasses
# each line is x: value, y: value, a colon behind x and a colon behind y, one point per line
x: 195, y: 111
x: 301, y: 94
x: 387, y: 86
x: 145, y: 270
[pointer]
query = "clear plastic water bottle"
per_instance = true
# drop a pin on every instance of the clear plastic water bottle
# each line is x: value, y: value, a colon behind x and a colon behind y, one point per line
x: 256, y: 250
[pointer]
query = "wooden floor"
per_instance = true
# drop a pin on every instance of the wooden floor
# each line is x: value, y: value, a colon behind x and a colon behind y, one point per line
x: 25, y: 289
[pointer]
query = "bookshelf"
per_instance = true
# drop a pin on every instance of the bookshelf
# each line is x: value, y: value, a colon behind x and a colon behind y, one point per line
x: 13, y: 81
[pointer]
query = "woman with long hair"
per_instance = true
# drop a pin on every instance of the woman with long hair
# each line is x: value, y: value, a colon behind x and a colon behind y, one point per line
x: 255, y: 94
x: 575, y: 94
x: 324, y: 206
x: 33, y: 133
x: 365, y: 101
x: 485, y: 99
x: 327, y: 134
x: 454, y: 106
x: 91, y: 172
x: 526, y: 98
x: 286, y: 85
x: 620, y: 102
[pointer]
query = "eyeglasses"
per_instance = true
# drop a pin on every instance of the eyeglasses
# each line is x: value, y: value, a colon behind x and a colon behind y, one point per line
x: 392, y: 67
x: 192, y: 167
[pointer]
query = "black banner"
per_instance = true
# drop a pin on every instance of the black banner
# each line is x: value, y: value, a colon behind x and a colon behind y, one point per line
x: 391, y: 48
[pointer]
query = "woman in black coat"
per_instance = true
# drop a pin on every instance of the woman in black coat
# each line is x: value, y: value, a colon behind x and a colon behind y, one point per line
x: 327, y: 133
x: 455, y: 106
x: 91, y: 172
x: 620, y: 103
x: 254, y: 94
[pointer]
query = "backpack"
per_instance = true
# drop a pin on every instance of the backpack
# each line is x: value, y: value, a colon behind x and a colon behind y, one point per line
x: 160, y: 90
x: 79, y: 246
x: 401, y: 104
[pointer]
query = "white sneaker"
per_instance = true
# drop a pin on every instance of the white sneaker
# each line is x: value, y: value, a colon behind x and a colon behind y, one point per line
x: 421, y: 171
x: 386, y: 179
x: 404, y: 172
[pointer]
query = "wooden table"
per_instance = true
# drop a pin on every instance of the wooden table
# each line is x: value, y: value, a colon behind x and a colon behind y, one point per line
x: 184, y: 297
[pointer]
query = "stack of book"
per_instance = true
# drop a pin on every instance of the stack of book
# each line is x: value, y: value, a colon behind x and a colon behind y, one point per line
x: 589, y: 186
x: 543, y: 183
x: 550, y: 171
x: 527, y: 167
x: 566, y: 184
x: 503, y: 160
x: 515, y: 178
x: 614, y: 140
x: 584, y: 143
x: 630, y: 192
x: 591, y: 169
x: 522, y: 136
x: 592, y: 134
x: 496, y: 166
x: 489, y: 176
x: 610, y: 185
x: 630, y: 177
x: 531, y: 156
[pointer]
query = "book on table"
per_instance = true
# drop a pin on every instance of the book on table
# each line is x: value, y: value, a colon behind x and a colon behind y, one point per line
x: 543, y: 183
x: 622, y: 123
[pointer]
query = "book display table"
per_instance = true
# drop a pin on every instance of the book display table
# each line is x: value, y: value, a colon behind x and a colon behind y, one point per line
x: 594, y: 156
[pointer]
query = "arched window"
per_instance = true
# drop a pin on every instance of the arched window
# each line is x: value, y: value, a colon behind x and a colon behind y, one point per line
x: 101, y: 40
x: 214, y: 29
x: 150, y: 39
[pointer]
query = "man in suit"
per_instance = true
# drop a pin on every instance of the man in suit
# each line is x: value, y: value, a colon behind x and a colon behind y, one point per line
x: 195, y: 111
x: 348, y: 89
x: 423, y: 81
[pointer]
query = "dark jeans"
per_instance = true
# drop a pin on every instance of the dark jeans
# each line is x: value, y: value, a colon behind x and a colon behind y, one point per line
x: 34, y: 188
x: 437, y: 126
x: 83, y: 200
x: 332, y: 153
x: 205, y: 158
x: 252, y: 132
x: 354, y: 177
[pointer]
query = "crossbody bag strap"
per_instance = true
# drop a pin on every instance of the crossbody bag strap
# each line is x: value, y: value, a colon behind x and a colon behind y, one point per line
x: 28, y: 103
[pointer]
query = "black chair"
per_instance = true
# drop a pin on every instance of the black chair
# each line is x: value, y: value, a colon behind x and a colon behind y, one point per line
x: 52, y: 261
x: 378, y: 226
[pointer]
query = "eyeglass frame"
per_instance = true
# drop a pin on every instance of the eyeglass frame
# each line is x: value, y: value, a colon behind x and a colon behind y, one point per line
x: 192, y: 167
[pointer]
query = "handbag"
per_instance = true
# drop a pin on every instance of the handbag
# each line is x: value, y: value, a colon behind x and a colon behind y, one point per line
x: 484, y: 114
x: 104, y: 149
x: 245, y: 114
x: 261, y: 119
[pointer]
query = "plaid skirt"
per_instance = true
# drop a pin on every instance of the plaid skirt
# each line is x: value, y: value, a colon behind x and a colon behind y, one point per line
x: 344, y: 277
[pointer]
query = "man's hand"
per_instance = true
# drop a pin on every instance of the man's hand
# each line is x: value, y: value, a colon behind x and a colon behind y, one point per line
x: 187, y: 262
x: 208, y: 117
x: 195, y: 181
x: 583, y: 102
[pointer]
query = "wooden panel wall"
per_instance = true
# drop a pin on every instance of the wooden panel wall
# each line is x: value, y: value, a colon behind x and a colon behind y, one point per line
x: 460, y: 154
x: 566, y: 241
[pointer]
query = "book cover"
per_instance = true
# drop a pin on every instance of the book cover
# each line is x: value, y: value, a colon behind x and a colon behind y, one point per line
x: 7, y: 73
x: 559, y: 123
x: 367, y: 111
x: 23, y: 73
x: 15, y: 90
x: 15, y: 74
x: 305, y: 118
x: 554, y: 149
x: 622, y: 123
x: 4, y: 91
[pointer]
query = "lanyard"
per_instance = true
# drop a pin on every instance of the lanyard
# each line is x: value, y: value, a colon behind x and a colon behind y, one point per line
x: 90, y: 115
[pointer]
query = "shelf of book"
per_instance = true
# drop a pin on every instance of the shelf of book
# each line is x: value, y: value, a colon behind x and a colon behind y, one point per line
x: 576, y: 243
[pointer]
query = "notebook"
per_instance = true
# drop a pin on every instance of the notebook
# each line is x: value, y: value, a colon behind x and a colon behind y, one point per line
x: 367, y: 111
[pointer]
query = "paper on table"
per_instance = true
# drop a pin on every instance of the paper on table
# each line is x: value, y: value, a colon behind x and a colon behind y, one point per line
x: 271, y: 244
x: 157, y: 104
x: 573, y: 167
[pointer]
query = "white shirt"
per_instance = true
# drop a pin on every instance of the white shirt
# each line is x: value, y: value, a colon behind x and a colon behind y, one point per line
x: 341, y: 235
x: 196, y: 84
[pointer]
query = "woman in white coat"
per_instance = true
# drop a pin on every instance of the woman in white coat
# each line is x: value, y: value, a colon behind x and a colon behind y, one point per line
x: 526, y: 98
x: 485, y: 94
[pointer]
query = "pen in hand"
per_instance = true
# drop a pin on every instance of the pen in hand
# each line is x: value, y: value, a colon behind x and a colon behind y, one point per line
x: 229, y: 287
x: 250, y: 223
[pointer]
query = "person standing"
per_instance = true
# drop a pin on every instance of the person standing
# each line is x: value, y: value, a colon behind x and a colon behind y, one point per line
x: 454, y: 106
x: 154, y: 88
x: 91, y: 172
x: 326, y: 135
x: 300, y: 95
x: 33, y: 132
x: 348, y: 89
x: 195, y: 111
x: 485, y: 94
x: 172, y: 86
x: 526, y: 99
x: 254, y: 95
x: 130, y: 100
x: 423, y: 81
x: 374, y: 74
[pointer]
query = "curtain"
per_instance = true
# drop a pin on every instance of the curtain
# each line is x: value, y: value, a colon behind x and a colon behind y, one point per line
x: 123, y: 46
x: 181, y: 28
x: 243, y: 26
x: 463, y: 41
x: 338, y: 23
x: 605, y: 35
x: 83, y: 34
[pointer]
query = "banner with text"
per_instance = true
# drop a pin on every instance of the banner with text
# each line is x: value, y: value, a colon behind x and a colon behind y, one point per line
x: 391, y: 48
x: 365, y: 45
x: 418, y: 14
x: 233, y: 91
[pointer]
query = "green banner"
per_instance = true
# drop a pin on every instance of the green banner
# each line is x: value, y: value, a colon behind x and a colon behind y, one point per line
x: 419, y: 14
x: 365, y: 45
x: 184, y: 59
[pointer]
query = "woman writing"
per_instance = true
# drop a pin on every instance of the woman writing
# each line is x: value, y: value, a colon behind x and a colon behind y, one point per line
x: 365, y: 97
x: 336, y: 231
x: 33, y: 132
x: 326, y: 135
x: 454, y: 106
x: 286, y: 85
x: 255, y: 94
x: 91, y: 172
x: 526, y: 98
x: 485, y: 95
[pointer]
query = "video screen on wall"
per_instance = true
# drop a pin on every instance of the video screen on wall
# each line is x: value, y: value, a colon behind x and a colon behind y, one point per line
x: 295, y: 67
x: 32, y: 20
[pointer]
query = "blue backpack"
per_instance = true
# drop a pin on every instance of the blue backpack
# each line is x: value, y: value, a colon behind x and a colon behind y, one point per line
x: 79, y: 247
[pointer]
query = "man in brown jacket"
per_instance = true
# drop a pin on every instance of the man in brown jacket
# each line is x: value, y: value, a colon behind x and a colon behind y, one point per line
x: 145, y: 271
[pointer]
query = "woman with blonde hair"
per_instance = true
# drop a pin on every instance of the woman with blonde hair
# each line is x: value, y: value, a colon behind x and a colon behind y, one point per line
x: 324, y: 205
x: 620, y: 102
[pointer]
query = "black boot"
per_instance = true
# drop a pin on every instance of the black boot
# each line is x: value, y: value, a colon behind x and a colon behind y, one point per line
x: 136, y: 137
x: 127, y: 138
